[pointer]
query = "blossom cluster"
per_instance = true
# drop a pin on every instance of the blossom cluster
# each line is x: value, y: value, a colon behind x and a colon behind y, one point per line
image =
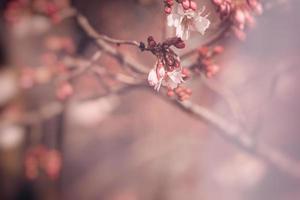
x: 186, y: 18
x: 186, y: 4
x: 167, y: 70
x: 239, y: 13
x: 16, y: 9
x: 205, y: 61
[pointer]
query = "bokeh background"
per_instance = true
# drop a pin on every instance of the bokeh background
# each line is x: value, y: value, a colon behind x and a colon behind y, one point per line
x: 136, y: 145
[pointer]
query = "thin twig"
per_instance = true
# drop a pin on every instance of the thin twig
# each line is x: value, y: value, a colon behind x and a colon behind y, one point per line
x: 91, y: 32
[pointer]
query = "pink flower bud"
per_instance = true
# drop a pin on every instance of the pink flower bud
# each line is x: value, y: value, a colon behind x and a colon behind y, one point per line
x: 218, y: 2
x: 241, y: 35
x: 168, y: 10
x: 239, y: 16
x: 211, y: 70
x: 170, y: 93
x: 218, y: 49
x: 193, y: 5
x: 186, y: 4
x: 169, y: 2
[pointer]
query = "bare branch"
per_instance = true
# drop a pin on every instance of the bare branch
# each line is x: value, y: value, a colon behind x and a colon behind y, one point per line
x: 91, y: 32
x: 238, y: 137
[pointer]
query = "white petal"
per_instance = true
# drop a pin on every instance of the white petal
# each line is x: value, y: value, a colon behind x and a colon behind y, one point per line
x: 170, y: 84
x: 158, y: 85
x: 186, y: 34
x: 176, y: 76
x: 190, y: 14
x: 201, y: 24
x: 183, y: 32
x: 173, y: 19
x: 180, y: 10
x: 179, y: 31
x: 161, y: 72
x: 170, y: 20
x: 152, y: 78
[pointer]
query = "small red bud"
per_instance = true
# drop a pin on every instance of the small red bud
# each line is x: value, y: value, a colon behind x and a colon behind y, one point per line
x: 170, y: 93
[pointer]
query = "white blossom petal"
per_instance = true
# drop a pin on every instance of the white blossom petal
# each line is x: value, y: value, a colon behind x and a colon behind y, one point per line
x: 180, y: 10
x: 176, y: 76
x: 179, y: 31
x: 161, y: 72
x: 152, y: 77
x: 158, y: 85
x: 188, y: 20
x: 186, y: 33
x: 170, y: 84
x: 201, y: 24
x: 173, y: 19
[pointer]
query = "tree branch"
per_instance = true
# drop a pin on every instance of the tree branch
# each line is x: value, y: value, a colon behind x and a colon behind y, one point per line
x: 100, y: 41
x: 236, y: 135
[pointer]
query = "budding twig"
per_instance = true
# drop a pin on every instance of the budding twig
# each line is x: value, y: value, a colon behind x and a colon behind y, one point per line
x: 233, y: 133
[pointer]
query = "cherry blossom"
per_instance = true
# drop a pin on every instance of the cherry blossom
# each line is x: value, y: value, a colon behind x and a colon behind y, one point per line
x: 188, y: 20
x: 160, y: 76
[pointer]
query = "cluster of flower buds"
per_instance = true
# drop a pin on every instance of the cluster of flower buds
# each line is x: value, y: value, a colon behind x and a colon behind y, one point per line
x: 224, y: 7
x: 186, y: 4
x: 40, y: 159
x: 182, y: 93
x: 205, y: 60
x: 240, y: 13
x: 167, y: 71
x: 16, y: 9
x: 167, y: 57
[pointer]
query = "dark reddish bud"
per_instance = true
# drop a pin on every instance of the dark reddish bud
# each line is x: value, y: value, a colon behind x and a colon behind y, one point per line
x: 151, y: 42
x: 142, y: 46
x: 179, y: 44
x: 176, y: 41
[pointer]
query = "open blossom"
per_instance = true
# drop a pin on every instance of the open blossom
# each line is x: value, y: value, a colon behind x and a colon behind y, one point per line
x: 160, y: 76
x: 188, y: 20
